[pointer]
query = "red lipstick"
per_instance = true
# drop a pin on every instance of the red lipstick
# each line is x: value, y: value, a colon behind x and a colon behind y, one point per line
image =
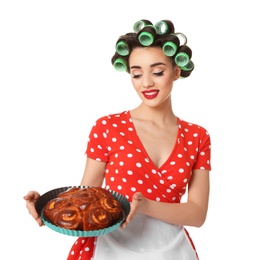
x: 150, y: 94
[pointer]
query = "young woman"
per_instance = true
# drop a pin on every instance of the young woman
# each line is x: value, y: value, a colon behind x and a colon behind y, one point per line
x: 149, y: 155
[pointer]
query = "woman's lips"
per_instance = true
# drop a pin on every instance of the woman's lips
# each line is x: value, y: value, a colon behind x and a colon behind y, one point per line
x: 150, y: 94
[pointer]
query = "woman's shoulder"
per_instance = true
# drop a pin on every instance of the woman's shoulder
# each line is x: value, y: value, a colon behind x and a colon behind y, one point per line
x: 192, y: 127
x: 114, y: 118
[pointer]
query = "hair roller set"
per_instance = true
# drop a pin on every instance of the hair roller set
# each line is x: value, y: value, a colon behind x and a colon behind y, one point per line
x: 174, y: 45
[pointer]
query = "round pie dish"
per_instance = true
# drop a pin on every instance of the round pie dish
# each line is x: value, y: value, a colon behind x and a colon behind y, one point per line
x: 46, y: 197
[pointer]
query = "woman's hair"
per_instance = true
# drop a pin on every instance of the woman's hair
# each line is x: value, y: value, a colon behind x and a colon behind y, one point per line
x: 162, y: 35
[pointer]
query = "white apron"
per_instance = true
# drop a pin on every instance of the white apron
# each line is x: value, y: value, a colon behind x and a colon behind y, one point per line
x: 145, y: 238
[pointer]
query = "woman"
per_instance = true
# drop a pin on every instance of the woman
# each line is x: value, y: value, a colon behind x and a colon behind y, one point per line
x: 148, y: 154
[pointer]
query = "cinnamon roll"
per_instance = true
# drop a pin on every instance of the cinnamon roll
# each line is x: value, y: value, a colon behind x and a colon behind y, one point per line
x: 95, y: 217
x: 112, y: 206
x: 69, y: 217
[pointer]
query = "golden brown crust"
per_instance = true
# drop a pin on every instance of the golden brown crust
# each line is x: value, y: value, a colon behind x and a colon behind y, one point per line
x: 86, y: 209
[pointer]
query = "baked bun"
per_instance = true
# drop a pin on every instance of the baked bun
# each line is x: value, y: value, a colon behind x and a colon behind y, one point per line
x: 84, y: 209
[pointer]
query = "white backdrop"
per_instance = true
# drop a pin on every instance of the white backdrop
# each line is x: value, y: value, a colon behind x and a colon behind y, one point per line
x: 56, y: 79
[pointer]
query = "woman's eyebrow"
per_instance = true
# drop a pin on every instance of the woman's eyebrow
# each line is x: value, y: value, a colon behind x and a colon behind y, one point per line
x: 152, y: 65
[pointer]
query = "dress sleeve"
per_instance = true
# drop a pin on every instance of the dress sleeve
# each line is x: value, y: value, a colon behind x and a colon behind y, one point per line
x: 203, y: 161
x: 97, y: 143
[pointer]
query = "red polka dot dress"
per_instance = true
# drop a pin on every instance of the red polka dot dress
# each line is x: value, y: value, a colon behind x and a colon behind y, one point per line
x: 129, y: 169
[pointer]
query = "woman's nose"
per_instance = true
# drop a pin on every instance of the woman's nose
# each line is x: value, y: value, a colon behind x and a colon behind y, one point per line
x: 148, y: 82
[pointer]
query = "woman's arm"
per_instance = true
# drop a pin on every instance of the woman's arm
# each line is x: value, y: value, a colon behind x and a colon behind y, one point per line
x: 190, y: 213
x: 93, y: 173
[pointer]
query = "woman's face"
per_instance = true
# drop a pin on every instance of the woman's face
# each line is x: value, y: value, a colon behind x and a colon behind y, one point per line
x: 152, y: 74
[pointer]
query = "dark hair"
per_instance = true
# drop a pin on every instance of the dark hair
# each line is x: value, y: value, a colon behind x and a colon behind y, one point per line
x: 162, y: 35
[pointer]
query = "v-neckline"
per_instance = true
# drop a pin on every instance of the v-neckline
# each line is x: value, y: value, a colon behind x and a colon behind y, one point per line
x: 144, y: 150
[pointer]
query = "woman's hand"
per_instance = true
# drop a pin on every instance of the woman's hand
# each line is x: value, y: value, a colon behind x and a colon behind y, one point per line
x: 31, y: 199
x: 138, y: 201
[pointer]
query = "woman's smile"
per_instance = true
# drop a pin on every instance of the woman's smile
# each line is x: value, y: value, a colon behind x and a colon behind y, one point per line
x: 150, y: 94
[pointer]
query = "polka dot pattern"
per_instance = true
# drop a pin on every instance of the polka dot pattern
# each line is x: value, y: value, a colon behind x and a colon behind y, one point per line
x: 82, y: 249
x: 113, y: 139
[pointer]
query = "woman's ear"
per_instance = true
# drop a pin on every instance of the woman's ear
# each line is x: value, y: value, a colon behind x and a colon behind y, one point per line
x: 177, y: 72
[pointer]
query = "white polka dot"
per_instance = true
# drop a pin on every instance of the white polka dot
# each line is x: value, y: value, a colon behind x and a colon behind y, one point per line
x: 185, y: 180
x: 181, y: 170
x: 180, y: 155
x: 130, y: 129
x: 121, y: 133
x: 121, y: 147
x: 170, y: 178
x: 121, y: 163
x: 104, y: 135
x: 112, y: 179
x: 114, y: 139
x: 114, y: 125
x: 187, y: 163
x: 157, y: 199
x: 202, y: 153
x: 130, y: 142
x: 133, y: 189
x: 154, y: 171
x: 87, y: 249
x: 104, y: 122
x: 124, y: 179
x: 72, y: 252
x: 130, y: 172
x: 192, y: 157
x: 138, y: 165
x: 172, y: 163
x: 147, y: 160
x: 138, y: 150
x: 168, y: 191
x: 202, y: 168
x: 92, y: 150
x: 190, y: 143
x: 99, y: 147
x: 149, y: 190
x: 95, y: 135
x: 161, y: 181
x: 140, y: 182
x: 119, y: 187
x: 109, y: 148
x: 146, y: 176
x: 129, y: 155
x: 116, y: 155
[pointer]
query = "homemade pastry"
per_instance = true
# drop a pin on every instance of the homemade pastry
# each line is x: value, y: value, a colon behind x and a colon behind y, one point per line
x: 85, y: 209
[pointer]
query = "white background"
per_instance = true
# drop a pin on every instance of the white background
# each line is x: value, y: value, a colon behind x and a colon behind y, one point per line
x: 56, y: 79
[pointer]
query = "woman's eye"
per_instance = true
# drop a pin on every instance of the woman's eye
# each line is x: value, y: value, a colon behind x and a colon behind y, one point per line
x: 159, y: 73
x: 136, y: 76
